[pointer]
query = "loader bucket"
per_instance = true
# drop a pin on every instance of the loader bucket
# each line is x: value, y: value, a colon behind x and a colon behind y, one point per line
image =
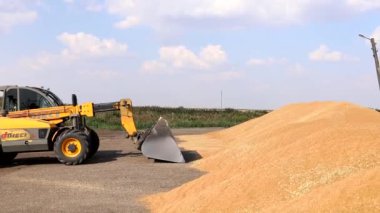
x: 158, y: 143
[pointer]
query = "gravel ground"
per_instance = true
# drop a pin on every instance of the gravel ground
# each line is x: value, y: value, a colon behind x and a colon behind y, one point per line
x: 112, y: 181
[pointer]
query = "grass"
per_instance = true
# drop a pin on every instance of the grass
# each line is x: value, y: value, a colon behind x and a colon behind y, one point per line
x: 179, y: 117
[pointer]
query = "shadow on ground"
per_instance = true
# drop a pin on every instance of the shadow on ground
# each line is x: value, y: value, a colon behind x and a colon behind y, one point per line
x: 191, y: 155
x: 31, y: 161
x: 188, y: 155
x: 104, y: 156
x: 101, y: 156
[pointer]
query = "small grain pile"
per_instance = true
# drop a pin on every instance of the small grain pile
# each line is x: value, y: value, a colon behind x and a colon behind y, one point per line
x: 320, y: 156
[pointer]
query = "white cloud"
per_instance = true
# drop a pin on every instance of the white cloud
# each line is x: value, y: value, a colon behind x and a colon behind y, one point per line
x: 156, y: 66
x: 267, y: 64
x: 266, y: 61
x: 323, y: 53
x: 13, y: 13
x: 128, y: 22
x: 376, y: 34
x: 178, y: 58
x: 213, y: 54
x: 218, y: 9
x: 39, y: 62
x: 89, y: 5
x: 121, y: 7
x: 77, y: 46
x: 166, y: 14
x: 100, y: 74
x: 364, y: 5
x: 94, y: 6
x: 84, y: 45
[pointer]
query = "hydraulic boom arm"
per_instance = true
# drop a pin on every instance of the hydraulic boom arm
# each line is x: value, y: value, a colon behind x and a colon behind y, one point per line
x: 58, y: 114
x: 126, y: 114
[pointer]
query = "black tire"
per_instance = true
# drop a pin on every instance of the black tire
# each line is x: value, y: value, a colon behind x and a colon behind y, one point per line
x: 72, y: 147
x: 94, y: 142
x: 7, y: 157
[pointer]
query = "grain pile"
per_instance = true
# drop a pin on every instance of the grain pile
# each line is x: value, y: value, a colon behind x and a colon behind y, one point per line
x: 321, y: 156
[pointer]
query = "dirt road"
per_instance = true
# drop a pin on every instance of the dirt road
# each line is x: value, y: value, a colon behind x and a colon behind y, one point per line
x: 112, y: 181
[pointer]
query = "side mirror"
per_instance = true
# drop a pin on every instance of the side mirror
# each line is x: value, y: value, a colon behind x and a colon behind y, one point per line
x: 74, y: 99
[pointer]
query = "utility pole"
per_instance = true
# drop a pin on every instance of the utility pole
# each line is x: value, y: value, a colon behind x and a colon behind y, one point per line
x: 221, y: 99
x: 375, y: 56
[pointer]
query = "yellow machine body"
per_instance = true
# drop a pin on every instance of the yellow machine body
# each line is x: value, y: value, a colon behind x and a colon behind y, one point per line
x: 24, y: 134
x: 34, y: 119
x: 23, y: 123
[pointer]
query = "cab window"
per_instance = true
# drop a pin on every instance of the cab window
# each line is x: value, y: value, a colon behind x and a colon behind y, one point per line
x: 1, y: 99
x: 30, y: 99
x: 11, y: 102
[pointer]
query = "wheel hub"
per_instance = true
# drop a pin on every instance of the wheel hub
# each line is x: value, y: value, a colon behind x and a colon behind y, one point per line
x: 72, y: 148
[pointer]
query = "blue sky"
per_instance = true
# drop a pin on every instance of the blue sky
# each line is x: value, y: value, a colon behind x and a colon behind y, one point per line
x: 262, y: 54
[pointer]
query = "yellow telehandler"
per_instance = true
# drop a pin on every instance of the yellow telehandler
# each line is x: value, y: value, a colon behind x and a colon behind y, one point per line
x: 35, y: 119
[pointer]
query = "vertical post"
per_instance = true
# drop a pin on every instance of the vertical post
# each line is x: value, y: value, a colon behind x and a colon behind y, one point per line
x: 221, y: 99
x: 374, y: 50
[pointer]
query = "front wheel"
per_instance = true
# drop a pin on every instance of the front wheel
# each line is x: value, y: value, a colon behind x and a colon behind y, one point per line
x: 72, y: 148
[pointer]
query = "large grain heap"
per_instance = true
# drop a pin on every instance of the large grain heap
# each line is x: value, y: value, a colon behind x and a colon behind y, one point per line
x: 321, y: 156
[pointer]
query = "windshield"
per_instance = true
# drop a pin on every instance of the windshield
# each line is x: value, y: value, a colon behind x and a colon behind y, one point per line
x: 51, y: 96
x: 32, y: 99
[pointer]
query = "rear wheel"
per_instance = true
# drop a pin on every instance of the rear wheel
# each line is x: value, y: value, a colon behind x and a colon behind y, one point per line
x: 72, y: 147
x: 7, y: 157
x: 94, y: 142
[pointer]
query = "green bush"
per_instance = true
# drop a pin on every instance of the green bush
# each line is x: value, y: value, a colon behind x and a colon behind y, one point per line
x: 179, y: 117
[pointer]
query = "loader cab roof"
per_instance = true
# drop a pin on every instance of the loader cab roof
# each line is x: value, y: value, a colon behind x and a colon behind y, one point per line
x: 2, y: 88
x: 21, y: 98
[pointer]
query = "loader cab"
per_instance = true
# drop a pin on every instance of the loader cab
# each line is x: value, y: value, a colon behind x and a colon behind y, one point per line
x: 14, y: 98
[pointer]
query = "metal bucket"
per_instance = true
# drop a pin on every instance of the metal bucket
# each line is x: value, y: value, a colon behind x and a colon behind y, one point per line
x: 159, y: 143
